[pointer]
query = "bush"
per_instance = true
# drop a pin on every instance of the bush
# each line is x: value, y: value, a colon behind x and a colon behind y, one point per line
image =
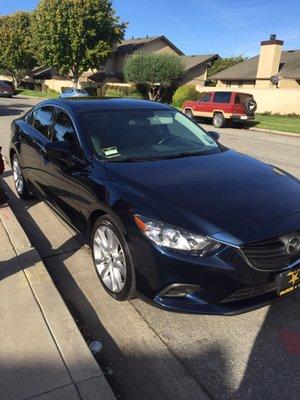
x: 51, y: 91
x: 135, y: 95
x: 184, y: 93
x: 114, y: 93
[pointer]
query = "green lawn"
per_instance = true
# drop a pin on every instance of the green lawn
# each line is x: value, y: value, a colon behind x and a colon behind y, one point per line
x: 38, y: 94
x: 278, y: 123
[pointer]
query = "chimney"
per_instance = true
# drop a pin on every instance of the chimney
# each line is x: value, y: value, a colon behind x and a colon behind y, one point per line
x: 269, y: 59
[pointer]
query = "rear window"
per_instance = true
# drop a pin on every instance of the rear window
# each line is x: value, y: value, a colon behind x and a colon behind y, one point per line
x: 4, y: 85
x: 222, y: 97
x: 240, y: 98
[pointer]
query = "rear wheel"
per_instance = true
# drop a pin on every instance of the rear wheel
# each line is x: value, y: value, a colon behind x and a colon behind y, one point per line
x: 19, y: 180
x: 189, y: 114
x: 112, y: 259
x: 219, y: 120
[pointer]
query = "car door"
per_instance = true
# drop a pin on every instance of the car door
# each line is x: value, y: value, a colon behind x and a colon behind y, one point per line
x: 204, y: 106
x: 64, y: 172
x: 33, y: 136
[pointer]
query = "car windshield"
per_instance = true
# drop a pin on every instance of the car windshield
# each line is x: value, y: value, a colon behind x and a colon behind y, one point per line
x: 146, y: 134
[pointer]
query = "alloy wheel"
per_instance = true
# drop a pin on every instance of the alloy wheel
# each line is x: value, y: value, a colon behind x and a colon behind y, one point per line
x: 18, y: 176
x: 109, y: 259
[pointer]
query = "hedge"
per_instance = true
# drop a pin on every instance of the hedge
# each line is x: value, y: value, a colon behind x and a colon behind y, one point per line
x: 184, y: 93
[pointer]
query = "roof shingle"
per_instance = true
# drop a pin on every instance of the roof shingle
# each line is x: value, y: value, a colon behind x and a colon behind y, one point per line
x: 193, y: 61
x: 247, y: 70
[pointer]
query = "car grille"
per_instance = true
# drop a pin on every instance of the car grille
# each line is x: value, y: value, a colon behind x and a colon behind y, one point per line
x: 269, y: 254
x: 249, y: 292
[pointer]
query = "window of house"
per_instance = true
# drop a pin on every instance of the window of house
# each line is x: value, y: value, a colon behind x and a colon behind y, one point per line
x: 63, y: 131
x: 206, y: 98
x: 43, y: 120
x: 222, y: 97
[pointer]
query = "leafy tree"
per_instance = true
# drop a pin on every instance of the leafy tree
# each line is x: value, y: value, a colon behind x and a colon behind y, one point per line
x: 75, y: 35
x: 155, y: 71
x: 16, y: 56
x: 224, y: 63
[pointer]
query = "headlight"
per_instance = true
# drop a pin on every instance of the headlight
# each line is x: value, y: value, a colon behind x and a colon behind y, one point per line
x: 175, y: 238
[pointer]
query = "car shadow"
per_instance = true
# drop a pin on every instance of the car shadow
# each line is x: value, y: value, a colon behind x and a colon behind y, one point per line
x: 65, y: 283
x: 273, y: 367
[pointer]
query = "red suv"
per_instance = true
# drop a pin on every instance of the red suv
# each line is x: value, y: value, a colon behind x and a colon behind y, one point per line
x: 222, y: 106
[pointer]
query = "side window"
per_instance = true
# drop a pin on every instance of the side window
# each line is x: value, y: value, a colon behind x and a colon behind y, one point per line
x: 206, y: 98
x: 43, y: 120
x: 30, y: 117
x: 222, y: 97
x: 63, y: 131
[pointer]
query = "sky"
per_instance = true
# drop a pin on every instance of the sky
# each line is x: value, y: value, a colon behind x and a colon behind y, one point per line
x: 226, y: 27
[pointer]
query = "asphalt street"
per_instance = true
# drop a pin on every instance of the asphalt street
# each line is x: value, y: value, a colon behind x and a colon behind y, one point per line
x: 154, y: 354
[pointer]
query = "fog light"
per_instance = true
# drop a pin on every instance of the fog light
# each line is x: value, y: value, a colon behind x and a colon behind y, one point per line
x: 180, y: 290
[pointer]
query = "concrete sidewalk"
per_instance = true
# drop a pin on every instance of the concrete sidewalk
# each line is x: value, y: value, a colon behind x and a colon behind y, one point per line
x: 42, y: 353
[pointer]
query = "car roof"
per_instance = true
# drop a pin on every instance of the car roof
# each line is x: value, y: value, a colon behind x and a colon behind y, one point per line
x: 88, y: 105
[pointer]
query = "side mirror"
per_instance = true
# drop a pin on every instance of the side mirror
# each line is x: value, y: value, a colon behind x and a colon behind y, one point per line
x: 58, y: 149
x: 214, y: 135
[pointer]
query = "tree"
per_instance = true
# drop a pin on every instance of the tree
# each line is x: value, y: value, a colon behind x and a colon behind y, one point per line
x: 16, y: 56
x: 73, y: 36
x: 156, y: 71
x: 224, y: 63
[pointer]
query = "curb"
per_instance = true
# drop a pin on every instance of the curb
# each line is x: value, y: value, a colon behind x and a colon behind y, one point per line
x: 82, y: 367
x: 30, y: 97
x: 276, y: 132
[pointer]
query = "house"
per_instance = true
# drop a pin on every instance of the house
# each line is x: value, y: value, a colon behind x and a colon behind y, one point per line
x: 256, y: 72
x: 272, y: 77
x: 195, y: 66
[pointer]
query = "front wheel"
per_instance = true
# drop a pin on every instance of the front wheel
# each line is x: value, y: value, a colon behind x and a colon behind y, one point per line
x: 219, y: 120
x: 19, y: 180
x: 112, y: 259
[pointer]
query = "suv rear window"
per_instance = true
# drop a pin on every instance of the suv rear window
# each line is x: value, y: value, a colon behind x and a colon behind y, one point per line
x: 222, y: 97
x: 240, y: 98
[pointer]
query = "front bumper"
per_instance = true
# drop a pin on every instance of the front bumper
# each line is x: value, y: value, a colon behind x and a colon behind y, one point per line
x: 222, y: 284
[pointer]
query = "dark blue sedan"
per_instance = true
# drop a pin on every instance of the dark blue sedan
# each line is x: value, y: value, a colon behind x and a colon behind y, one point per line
x: 169, y: 212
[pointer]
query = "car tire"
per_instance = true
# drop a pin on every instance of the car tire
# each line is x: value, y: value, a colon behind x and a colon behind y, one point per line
x: 112, y: 259
x: 19, y: 181
x: 219, y: 120
x: 189, y: 114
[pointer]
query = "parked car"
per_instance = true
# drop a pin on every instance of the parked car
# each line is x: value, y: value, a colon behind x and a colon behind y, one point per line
x: 168, y: 211
x: 221, y: 107
x: 5, y: 90
x: 11, y: 84
x: 73, y: 92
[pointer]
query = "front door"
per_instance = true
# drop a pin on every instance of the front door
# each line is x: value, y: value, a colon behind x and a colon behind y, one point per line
x: 205, y: 107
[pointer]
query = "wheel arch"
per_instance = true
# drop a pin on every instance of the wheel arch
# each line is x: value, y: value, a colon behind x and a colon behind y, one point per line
x: 218, y: 112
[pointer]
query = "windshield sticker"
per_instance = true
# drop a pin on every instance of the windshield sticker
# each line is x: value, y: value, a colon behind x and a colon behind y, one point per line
x: 110, y: 151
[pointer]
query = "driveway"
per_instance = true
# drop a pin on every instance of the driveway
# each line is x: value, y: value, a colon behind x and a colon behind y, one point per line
x: 154, y: 354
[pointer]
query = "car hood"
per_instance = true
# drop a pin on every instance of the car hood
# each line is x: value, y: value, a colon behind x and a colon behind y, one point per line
x: 229, y: 196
